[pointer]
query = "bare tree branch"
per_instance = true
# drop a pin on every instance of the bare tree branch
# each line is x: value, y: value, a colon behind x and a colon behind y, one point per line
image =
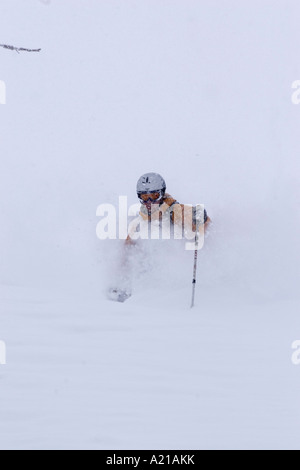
x: 19, y: 49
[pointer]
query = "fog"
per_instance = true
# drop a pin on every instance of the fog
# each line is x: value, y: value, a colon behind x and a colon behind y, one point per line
x: 199, y: 91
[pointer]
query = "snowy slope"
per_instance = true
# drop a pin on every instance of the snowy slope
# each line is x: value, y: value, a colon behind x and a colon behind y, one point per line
x: 201, y: 92
x: 102, y: 375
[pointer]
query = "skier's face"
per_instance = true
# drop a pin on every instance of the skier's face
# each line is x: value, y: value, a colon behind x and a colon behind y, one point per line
x: 153, y: 196
x: 147, y: 199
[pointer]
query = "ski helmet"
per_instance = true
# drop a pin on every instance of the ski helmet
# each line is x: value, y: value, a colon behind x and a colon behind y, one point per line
x: 151, y: 182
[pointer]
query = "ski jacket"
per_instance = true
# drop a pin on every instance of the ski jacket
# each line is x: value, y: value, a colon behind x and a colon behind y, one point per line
x: 182, y: 215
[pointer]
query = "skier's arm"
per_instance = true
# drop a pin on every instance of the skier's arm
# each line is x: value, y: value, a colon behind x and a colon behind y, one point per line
x: 183, y: 215
x: 132, y: 230
x: 135, y: 227
x: 129, y: 241
x: 203, y: 223
x: 207, y: 220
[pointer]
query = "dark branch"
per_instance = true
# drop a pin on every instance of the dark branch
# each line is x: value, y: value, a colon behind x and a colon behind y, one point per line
x: 19, y: 49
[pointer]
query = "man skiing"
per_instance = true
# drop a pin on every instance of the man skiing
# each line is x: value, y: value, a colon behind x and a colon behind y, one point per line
x: 158, y: 206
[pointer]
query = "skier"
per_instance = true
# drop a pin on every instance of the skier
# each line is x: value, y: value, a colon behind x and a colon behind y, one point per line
x: 157, y: 205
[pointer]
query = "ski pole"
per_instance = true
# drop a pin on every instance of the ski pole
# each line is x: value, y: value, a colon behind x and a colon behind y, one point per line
x: 195, y: 260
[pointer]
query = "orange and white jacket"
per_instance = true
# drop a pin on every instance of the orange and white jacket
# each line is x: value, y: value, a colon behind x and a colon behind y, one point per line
x: 182, y: 215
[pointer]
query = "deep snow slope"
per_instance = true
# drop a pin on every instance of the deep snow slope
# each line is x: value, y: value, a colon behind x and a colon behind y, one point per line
x: 148, y: 374
x: 199, y: 91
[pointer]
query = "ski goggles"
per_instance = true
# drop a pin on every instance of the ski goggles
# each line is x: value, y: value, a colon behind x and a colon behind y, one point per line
x: 153, y: 196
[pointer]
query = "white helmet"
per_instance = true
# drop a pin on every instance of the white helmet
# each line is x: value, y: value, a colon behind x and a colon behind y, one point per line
x: 149, y: 183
